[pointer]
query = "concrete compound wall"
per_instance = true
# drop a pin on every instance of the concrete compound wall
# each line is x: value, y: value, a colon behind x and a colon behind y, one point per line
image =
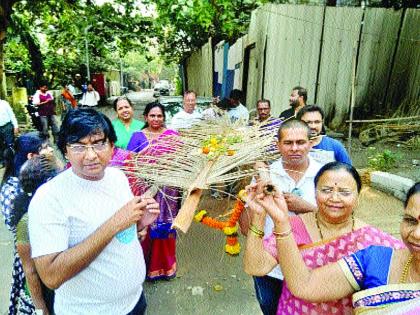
x: 315, y: 47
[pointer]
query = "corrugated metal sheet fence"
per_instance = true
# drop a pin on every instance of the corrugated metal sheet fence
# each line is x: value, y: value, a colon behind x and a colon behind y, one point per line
x: 314, y: 46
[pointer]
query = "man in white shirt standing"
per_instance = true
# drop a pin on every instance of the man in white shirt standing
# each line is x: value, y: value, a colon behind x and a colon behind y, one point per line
x: 84, y: 225
x: 189, y: 115
x: 90, y: 98
x: 294, y: 176
x: 8, y: 127
x: 237, y: 111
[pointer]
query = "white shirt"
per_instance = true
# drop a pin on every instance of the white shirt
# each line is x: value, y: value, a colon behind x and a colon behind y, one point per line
x: 285, y: 183
x: 184, y: 120
x: 239, y: 112
x: 67, y: 210
x: 90, y: 98
x: 7, y: 115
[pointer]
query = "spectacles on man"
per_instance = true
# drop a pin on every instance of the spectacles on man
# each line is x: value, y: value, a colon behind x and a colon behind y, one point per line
x: 329, y: 192
x: 82, y: 148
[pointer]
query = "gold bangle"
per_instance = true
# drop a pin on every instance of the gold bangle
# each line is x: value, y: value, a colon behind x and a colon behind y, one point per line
x: 282, y: 233
x: 257, y: 232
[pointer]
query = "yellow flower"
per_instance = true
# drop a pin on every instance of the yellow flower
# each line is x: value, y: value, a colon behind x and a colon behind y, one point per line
x: 233, y: 250
x: 200, y: 215
x: 213, y: 141
x: 242, y: 194
x: 230, y: 230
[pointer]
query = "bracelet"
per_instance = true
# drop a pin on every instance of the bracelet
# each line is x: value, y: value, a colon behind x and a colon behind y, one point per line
x: 257, y: 232
x: 282, y: 235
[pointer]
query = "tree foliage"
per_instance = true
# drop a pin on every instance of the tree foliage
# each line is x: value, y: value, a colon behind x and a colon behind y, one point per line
x: 50, y: 37
x: 185, y: 25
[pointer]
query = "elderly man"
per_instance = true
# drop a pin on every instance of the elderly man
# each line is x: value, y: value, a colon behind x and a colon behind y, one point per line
x: 83, y: 225
x: 297, y: 101
x: 189, y: 116
x: 294, y: 176
x: 324, y: 149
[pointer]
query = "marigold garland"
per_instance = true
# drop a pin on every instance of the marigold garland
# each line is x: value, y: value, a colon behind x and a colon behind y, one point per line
x: 229, y: 227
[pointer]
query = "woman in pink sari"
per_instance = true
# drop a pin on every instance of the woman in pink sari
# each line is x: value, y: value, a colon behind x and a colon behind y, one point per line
x: 159, y: 246
x: 323, y: 237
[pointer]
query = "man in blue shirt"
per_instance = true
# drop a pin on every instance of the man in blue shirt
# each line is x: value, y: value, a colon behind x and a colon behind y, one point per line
x: 324, y: 149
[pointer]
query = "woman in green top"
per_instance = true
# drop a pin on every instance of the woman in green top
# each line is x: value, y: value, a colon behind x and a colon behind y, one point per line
x: 125, y: 125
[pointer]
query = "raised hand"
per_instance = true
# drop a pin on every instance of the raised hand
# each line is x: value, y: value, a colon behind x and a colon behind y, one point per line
x: 129, y: 214
x: 151, y: 212
x: 274, y: 204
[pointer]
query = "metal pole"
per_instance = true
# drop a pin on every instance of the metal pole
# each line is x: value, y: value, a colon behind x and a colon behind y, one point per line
x: 87, y: 51
x: 352, y: 97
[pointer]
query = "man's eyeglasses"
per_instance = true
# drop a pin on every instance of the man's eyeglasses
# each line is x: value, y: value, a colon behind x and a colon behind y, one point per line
x: 329, y: 192
x: 82, y: 148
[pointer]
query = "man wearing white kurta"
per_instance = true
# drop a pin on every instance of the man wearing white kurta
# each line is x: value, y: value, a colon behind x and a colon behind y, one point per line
x: 90, y: 98
x: 83, y: 225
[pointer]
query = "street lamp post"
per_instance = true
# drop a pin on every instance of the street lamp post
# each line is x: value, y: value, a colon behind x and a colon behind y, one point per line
x: 87, y: 51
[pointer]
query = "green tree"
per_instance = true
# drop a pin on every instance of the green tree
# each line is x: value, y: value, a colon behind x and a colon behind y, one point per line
x: 53, y: 34
x: 185, y: 25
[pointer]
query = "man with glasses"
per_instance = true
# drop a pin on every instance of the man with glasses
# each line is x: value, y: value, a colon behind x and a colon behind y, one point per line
x: 83, y: 225
x: 324, y: 149
x: 293, y: 175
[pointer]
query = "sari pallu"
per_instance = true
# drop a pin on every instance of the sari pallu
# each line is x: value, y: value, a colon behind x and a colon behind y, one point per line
x: 322, y: 253
x: 388, y: 299
x: 159, y: 246
x: 368, y: 271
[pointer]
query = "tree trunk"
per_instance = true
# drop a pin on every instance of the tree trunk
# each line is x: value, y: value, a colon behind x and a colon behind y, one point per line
x: 5, y: 12
x: 35, y: 54
x: 3, y: 91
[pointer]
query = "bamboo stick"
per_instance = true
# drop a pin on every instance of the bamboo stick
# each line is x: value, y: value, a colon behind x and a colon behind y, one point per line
x: 186, y: 213
x: 382, y: 120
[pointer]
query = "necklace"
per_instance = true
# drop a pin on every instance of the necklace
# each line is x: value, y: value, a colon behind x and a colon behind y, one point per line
x: 406, y: 270
x: 319, y: 227
x: 154, y: 132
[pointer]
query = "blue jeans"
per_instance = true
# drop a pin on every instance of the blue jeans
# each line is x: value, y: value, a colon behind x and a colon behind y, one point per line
x: 140, y: 307
x: 268, y: 291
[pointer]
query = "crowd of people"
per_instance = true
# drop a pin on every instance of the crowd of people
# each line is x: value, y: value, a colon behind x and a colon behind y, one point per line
x: 87, y: 235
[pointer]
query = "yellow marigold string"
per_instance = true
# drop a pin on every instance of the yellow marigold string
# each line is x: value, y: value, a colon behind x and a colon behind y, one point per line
x: 229, y: 227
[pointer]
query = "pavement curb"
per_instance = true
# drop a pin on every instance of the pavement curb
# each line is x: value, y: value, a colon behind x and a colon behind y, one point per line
x: 395, y: 185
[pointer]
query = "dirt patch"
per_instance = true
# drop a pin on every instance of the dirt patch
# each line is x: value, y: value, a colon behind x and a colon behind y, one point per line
x: 404, y: 166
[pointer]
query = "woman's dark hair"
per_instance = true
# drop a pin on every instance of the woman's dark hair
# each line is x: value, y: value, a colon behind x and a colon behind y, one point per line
x: 80, y: 123
x: 335, y: 166
x: 15, y: 156
x: 121, y: 98
x: 415, y: 189
x: 149, y: 107
x: 34, y: 172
